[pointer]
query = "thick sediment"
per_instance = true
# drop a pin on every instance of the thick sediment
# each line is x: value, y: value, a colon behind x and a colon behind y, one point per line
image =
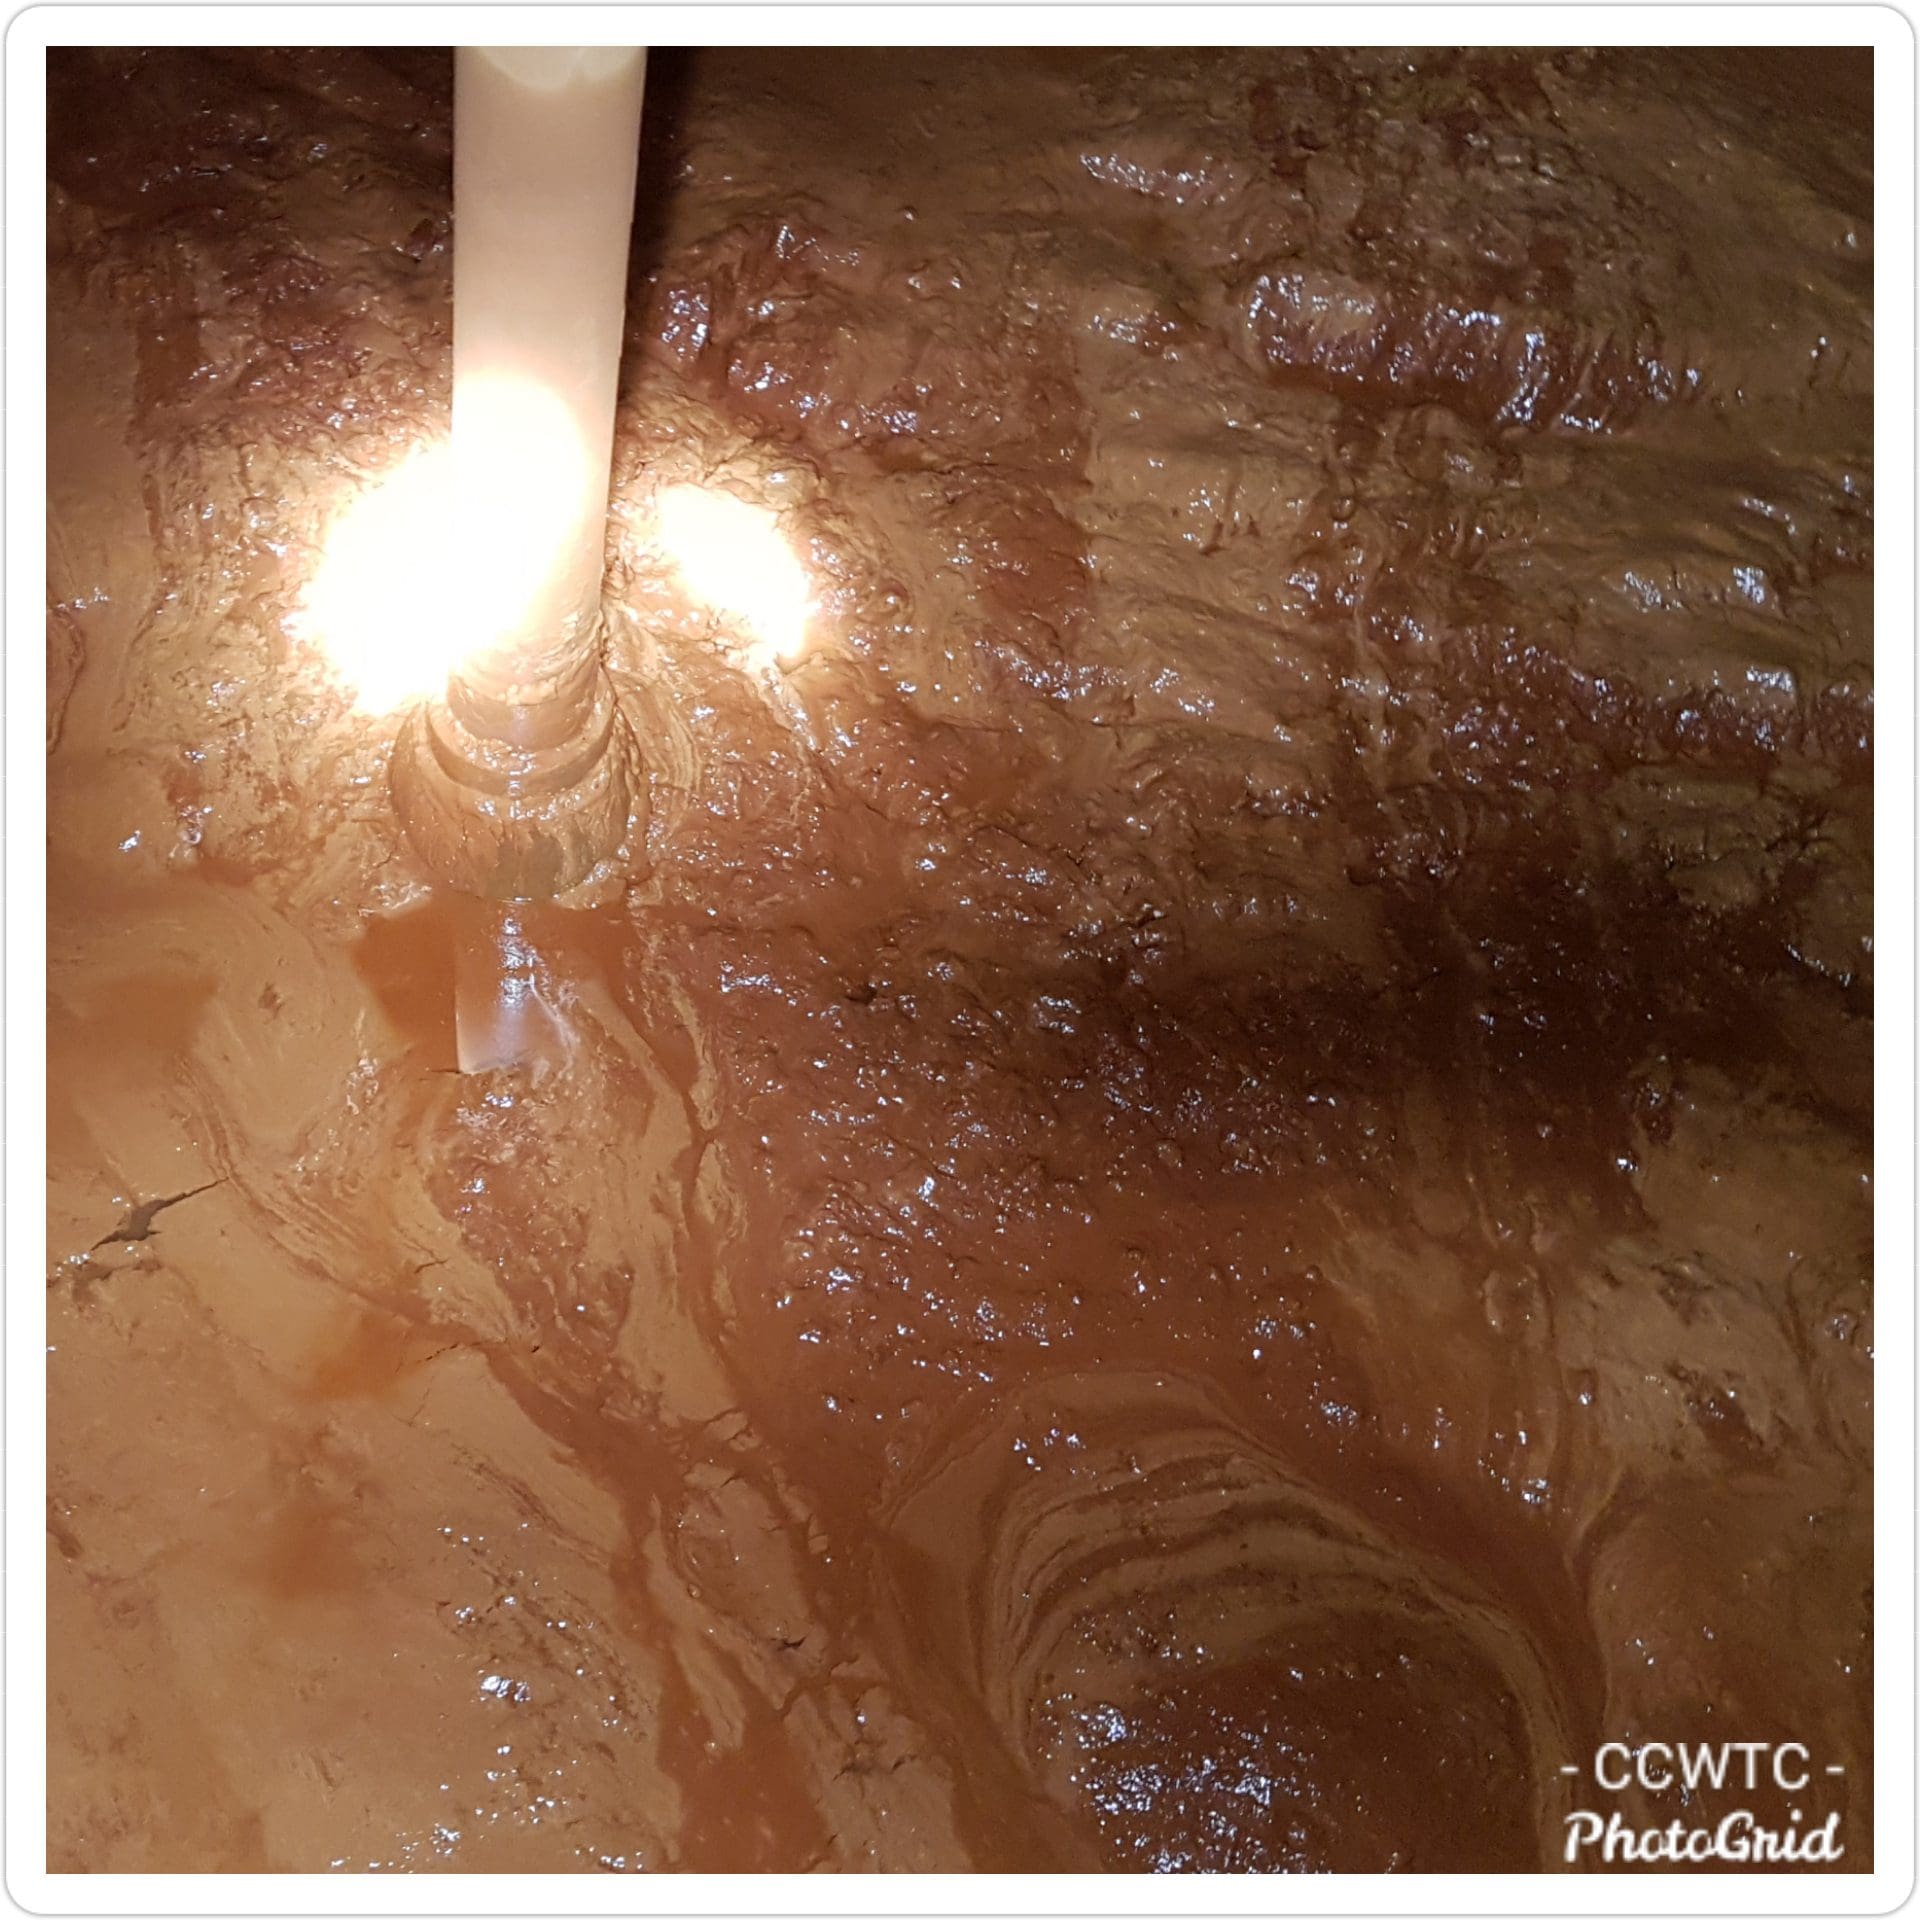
x: 1213, y: 1207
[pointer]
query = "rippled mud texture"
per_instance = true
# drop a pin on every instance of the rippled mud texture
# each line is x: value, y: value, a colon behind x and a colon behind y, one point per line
x: 1212, y: 1208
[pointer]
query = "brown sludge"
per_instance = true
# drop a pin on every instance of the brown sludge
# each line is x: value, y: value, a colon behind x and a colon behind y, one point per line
x: 1213, y: 1207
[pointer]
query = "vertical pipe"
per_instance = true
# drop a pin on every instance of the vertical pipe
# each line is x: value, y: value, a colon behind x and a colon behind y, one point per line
x: 546, y: 144
x: 523, y: 782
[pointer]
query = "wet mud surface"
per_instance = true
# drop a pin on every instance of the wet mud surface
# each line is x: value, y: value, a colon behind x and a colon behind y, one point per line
x: 1213, y: 1205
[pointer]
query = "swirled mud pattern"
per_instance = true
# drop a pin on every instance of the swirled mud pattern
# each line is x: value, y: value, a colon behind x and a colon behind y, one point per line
x: 1210, y: 1207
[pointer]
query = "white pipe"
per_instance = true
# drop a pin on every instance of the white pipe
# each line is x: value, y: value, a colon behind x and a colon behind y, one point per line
x: 546, y: 145
x: 523, y: 783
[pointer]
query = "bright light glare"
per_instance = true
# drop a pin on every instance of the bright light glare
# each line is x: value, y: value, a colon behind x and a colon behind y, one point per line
x: 452, y: 550
x: 732, y: 557
x: 377, y: 605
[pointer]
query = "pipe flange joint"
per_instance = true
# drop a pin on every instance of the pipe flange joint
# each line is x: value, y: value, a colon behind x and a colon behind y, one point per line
x: 519, y: 822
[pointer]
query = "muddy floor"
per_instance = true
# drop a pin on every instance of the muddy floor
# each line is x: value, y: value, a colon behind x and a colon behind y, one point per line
x: 1211, y: 1206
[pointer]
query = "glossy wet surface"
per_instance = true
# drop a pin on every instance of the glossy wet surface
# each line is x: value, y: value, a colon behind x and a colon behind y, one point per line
x: 1213, y: 1206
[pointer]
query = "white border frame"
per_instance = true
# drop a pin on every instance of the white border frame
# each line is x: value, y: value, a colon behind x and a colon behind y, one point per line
x: 32, y: 30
